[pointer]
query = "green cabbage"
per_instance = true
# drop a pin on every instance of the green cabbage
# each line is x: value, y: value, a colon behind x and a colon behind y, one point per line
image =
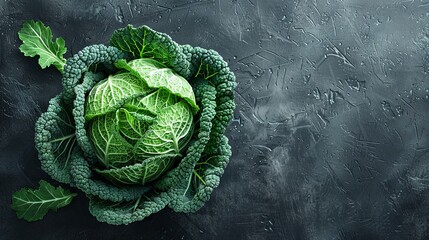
x: 139, y: 121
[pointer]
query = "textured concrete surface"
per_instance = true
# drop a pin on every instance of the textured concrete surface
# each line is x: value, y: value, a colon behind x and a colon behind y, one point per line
x: 330, y: 134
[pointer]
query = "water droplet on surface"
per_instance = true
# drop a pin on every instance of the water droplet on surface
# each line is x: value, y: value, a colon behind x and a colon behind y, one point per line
x: 388, y: 109
x: 378, y: 22
x: 307, y: 78
x: 354, y: 84
x: 267, y: 223
x: 399, y: 110
x: 316, y: 93
x: 385, y: 105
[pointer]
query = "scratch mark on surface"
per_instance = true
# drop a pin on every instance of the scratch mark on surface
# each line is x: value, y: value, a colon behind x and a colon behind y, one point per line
x: 416, y: 130
x: 357, y: 38
x: 315, y: 8
x: 240, y: 32
x: 220, y: 8
x: 334, y: 177
x: 375, y: 73
x: 259, y: 55
x: 338, y: 54
x: 312, y: 64
x: 423, y: 4
x: 314, y: 36
x: 408, y: 104
x: 21, y: 169
x: 245, y: 100
x: 275, y: 54
x: 377, y: 55
x: 263, y: 147
x: 129, y: 8
x: 269, y: 80
x: 310, y: 20
x: 323, y: 118
x: 333, y: 26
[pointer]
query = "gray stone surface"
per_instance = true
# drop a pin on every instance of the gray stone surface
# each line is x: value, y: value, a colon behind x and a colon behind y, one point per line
x: 330, y: 134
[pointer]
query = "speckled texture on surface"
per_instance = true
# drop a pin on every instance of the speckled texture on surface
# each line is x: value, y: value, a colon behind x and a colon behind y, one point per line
x: 330, y: 135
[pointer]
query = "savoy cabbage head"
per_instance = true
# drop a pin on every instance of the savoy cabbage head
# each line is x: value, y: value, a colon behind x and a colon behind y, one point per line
x: 139, y: 121
x: 139, y: 125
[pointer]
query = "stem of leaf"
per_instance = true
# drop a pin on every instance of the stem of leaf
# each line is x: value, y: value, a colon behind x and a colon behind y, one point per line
x: 62, y: 138
x: 199, y: 177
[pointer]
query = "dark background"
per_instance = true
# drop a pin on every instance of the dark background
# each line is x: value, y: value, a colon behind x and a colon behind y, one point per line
x: 329, y: 138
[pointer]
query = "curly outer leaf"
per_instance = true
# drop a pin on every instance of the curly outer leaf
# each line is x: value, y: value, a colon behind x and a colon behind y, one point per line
x: 86, y: 181
x: 219, y: 158
x: 55, y: 140
x: 180, y: 178
x: 224, y: 82
x: 89, y: 80
x: 217, y: 150
x: 77, y: 65
x: 144, y: 42
x: 125, y: 213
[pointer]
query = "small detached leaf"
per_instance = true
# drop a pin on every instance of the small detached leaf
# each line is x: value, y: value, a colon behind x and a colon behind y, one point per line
x: 32, y: 205
x: 37, y: 40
